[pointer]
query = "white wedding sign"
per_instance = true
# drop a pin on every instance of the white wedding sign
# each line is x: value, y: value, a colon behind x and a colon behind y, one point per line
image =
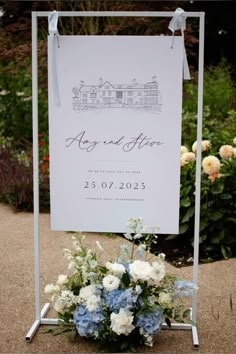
x: 115, y: 137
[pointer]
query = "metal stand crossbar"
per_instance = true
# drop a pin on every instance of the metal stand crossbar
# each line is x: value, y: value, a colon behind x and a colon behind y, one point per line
x: 40, y: 314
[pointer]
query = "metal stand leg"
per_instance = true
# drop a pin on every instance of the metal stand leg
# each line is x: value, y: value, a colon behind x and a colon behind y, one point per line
x: 37, y: 323
x: 195, y: 337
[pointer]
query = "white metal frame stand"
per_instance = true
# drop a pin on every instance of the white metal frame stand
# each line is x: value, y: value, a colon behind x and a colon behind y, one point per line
x: 40, y: 314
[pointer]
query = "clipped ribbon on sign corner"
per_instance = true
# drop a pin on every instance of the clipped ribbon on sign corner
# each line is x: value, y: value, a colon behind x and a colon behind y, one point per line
x: 54, y: 38
x: 178, y: 22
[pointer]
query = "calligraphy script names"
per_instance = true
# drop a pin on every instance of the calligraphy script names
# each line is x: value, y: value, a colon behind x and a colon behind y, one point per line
x: 126, y: 144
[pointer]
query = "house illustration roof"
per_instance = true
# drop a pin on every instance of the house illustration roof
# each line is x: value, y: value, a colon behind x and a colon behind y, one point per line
x: 102, y: 86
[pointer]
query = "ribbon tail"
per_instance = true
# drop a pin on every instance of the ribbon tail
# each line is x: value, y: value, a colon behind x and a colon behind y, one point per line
x: 186, y: 72
x: 53, y: 68
x: 53, y: 45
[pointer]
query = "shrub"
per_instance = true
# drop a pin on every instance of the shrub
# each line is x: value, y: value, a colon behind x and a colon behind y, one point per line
x: 16, y: 106
x: 217, y: 210
x: 16, y: 176
x: 219, y: 91
x: 219, y: 121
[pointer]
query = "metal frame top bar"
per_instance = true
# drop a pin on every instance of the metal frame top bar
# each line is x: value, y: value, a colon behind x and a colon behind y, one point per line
x: 116, y: 14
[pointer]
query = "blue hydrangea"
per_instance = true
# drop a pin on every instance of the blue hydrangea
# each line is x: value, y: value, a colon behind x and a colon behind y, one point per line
x: 87, y: 322
x: 149, y: 322
x: 119, y: 298
x: 184, y: 288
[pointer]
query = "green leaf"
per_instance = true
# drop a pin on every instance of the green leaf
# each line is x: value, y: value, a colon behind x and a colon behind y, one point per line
x: 226, y: 252
x: 188, y: 215
x: 178, y: 319
x: 48, y: 329
x: 125, y: 280
x: 190, y: 322
x: 231, y: 220
x: 225, y: 196
x: 216, y: 215
x: 183, y: 228
x: 186, y: 313
x: 186, y: 202
x: 217, y: 188
x: 58, y: 331
x: 203, y: 224
x: 168, y: 322
x: 170, y: 237
x: 168, y: 312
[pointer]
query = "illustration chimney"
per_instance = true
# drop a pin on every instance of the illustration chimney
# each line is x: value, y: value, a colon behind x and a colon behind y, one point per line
x: 154, y: 79
x: 100, y: 82
x: 81, y: 83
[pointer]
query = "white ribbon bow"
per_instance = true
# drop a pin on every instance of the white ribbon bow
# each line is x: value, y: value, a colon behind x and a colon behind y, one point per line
x: 53, y: 42
x: 178, y: 22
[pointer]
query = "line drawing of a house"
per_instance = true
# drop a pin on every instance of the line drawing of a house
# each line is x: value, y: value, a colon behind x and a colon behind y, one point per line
x: 108, y: 95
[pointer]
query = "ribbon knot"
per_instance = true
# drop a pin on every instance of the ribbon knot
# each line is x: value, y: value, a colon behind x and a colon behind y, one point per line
x: 52, y: 23
x: 53, y: 43
x: 178, y: 22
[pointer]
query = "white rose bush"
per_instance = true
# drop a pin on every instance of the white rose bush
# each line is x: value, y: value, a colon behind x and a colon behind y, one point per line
x: 121, y: 303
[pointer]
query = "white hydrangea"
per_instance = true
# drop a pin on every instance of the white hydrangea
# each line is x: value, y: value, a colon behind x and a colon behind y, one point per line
x: 159, y: 270
x: 121, y: 323
x: 64, y: 301
x: 110, y: 282
x: 86, y: 292
x: 165, y: 299
x: 62, y: 279
x: 234, y: 141
x: 92, y: 302
x: 115, y: 268
x: 51, y: 288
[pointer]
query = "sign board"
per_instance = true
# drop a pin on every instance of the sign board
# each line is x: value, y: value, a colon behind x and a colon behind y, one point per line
x: 115, y: 137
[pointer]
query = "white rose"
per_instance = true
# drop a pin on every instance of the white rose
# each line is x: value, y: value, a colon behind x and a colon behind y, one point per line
x: 62, y: 279
x: 141, y: 270
x: 110, y: 282
x: 121, y: 323
x: 116, y: 268
x: 165, y: 299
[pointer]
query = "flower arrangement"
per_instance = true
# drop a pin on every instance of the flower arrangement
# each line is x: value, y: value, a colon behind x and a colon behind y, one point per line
x: 122, y: 302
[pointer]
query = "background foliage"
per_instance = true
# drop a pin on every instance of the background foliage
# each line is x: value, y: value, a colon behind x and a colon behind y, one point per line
x: 218, y: 198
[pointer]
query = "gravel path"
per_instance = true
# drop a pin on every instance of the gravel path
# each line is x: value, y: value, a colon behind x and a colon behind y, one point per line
x: 217, y: 334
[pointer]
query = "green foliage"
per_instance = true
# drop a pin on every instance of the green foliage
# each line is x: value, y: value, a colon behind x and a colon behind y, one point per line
x: 219, y: 102
x: 217, y: 212
x: 16, y: 105
x: 219, y: 91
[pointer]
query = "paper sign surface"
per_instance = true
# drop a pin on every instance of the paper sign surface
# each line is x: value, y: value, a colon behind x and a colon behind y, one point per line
x: 115, y: 137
